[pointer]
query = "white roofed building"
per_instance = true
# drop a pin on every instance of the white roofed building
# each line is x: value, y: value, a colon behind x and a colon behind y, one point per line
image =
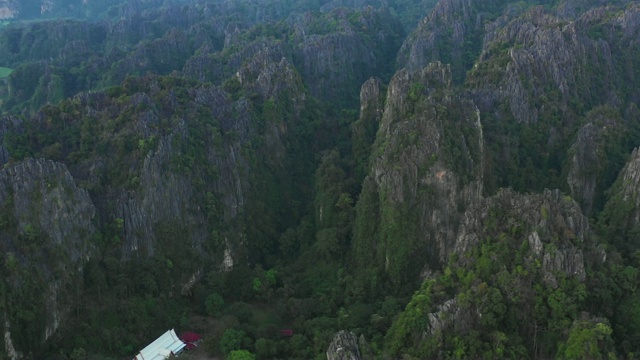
x: 162, y: 348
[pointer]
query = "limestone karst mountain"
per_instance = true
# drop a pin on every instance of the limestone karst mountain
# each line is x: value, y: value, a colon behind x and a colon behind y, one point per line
x: 310, y: 179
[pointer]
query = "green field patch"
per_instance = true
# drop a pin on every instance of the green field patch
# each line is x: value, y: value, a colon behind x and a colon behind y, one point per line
x: 5, y: 72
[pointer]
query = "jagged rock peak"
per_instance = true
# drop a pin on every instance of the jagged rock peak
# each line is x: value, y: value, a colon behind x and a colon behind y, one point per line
x: 344, y: 347
x: 434, y: 76
x: 620, y: 219
x: 269, y: 76
x: 363, y: 131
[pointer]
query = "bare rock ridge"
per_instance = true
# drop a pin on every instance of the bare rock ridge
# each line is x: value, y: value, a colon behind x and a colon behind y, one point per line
x: 582, y: 178
x: 9, y: 9
x: 358, y: 56
x: 170, y: 197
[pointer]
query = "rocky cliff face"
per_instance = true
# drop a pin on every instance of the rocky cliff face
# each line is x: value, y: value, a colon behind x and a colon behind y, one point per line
x: 363, y: 131
x: 426, y: 169
x: 360, y: 44
x: 46, y: 238
x: 223, y: 163
x: 164, y: 193
x: 532, y: 70
x: 590, y: 173
x: 359, y: 54
x: 620, y: 220
x: 628, y: 186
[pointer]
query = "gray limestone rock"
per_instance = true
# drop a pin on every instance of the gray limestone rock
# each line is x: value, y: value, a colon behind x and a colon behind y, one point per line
x: 344, y: 347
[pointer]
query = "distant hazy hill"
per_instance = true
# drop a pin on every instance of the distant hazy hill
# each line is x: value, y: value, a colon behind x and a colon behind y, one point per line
x: 47, y: 9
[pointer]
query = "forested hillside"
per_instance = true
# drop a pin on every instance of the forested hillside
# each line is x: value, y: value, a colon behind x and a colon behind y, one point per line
x: 360, y: 179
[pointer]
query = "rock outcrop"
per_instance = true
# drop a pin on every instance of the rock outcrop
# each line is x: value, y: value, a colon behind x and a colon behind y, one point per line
x: 163, y: 195
x: 426, y: 169
x: 240, y: 156
x: 9, y: 9
x: 513, y: 253
x: 334, y: 52
x: 554, y: 226
x: 344, y: 347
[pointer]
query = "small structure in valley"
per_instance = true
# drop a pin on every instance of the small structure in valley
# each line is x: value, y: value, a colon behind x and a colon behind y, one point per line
x: 162, y: 348
x: 191, y: 339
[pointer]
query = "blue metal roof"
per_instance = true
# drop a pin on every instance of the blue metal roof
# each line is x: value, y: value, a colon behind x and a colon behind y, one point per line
x: 162, y: 347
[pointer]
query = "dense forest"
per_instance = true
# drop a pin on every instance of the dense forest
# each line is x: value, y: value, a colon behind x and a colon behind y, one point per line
x: 339, y: 179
